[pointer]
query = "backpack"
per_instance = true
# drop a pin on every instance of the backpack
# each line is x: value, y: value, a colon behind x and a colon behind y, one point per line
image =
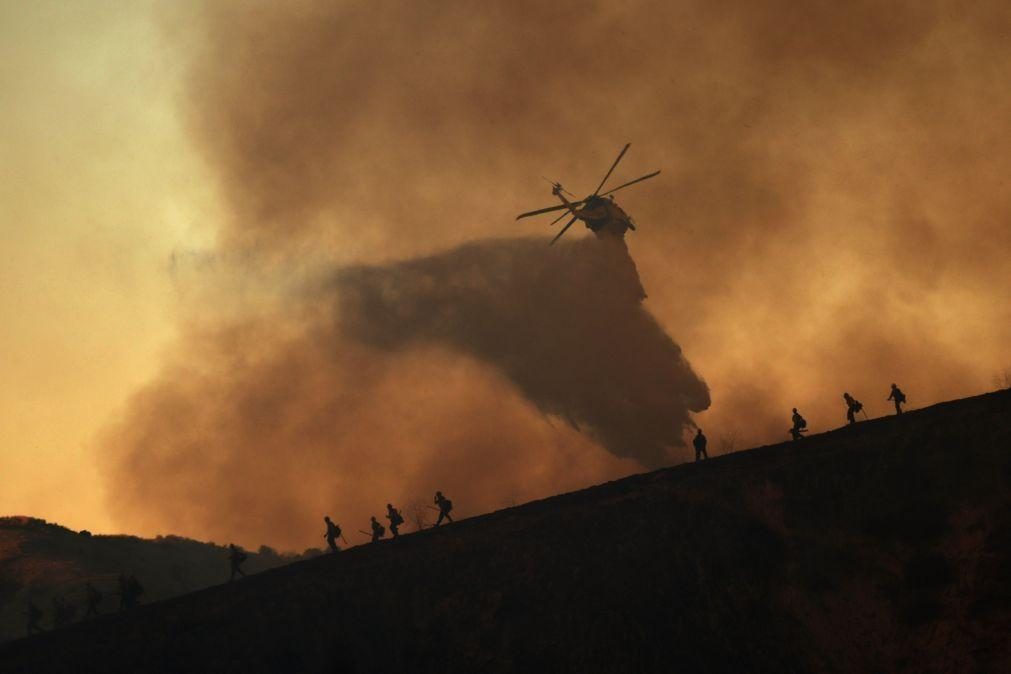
x: 900, y: 396
x: 380, y: 530
x: 801, y: 423
x: 857, y: 406
x: 397, y: 518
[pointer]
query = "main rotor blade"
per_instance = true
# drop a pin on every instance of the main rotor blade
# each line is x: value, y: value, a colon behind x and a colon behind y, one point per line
x: 559, y: 235
x: 549, y: 209
x: 558, y: 218
x: 631, y: 182
x: 620, y: 155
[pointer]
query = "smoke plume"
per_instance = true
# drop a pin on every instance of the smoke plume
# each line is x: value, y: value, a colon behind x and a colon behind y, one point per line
x: 564, y: 324
x: 387, y: 382
x: 831, y: 216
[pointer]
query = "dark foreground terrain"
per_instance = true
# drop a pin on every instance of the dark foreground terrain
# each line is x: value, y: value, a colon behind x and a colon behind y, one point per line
x: 40, y: 562
x: 880, y: 547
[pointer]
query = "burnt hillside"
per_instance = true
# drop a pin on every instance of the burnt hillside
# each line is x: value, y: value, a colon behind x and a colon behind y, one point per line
x: 880, y: 547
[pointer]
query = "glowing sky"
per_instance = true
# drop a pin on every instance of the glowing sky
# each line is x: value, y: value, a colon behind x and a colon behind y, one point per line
x: 833, y: 212
x: 97, y: 187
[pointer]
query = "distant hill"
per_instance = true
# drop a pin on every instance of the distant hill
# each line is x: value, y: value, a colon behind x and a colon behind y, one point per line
x: 41, y: 561
x: 881, y: 547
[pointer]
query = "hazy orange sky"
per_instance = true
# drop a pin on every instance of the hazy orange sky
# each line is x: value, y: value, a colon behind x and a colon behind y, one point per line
x: 833, y: 212
x: 98, y: 187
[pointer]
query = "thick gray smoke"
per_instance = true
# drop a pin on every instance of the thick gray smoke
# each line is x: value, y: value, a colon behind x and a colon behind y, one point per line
x: 384, y: 383
x: 564, y: 323
x: 832, y: 215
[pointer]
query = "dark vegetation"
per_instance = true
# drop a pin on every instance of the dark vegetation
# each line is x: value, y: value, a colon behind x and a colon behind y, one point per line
x: 40, y: 561
x: 882, y: 546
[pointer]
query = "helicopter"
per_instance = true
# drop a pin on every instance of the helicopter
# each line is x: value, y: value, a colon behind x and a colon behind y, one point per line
x: 601, y: 214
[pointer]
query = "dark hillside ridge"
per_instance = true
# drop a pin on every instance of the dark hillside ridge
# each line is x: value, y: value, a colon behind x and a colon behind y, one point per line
x: 878, y: 547
x: 41, y: 561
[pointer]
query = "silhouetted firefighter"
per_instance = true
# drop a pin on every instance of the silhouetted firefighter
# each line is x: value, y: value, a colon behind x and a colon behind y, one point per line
x: 124, y: 592
x: 236, y: 557
x: 333, y: 532
x: 853, y: 407
x: 395, y: 518
x: 898, y: 396
x: 445, y: 507
x: 63, y: 613
x: 799, y: 425
x: 700, y: 446
x: 34, y: 614
x: 136, y: 591
x: 92, y: 598
x: 378, y: 530
x: 130, y: 591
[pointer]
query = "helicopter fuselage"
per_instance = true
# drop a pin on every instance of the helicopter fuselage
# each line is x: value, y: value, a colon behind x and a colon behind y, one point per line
x: 601, y: 215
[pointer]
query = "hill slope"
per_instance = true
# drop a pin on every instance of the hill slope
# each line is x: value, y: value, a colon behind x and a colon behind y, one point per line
x: 879, y: 547
x: 40, y: 561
